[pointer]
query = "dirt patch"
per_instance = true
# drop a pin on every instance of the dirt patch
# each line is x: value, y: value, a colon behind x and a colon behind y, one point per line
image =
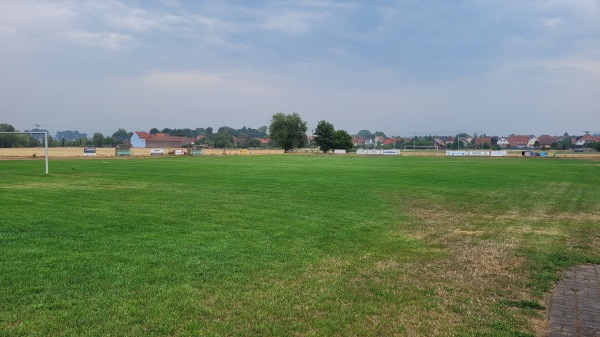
x: 77, y: 152
x: 482, y: 264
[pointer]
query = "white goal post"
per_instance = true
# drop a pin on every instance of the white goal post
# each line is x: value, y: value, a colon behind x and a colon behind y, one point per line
x: 415, y: 148
x: 34, y: 133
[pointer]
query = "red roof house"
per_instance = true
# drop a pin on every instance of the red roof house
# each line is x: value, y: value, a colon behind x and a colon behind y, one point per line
x: 518, y: 141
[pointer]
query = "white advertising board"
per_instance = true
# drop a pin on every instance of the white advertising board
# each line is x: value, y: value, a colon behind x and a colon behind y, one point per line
x: 179, y: 152
x: 89, y: 151
x: 455, y: 153
x: 499, y: 154
x: 156, y: 152
x: 339, y: 151
x: 477, y: 153
x: 379, y: 152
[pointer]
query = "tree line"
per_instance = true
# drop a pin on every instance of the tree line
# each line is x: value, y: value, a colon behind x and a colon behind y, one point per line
x: 286, y: 131
x: 224, y: 137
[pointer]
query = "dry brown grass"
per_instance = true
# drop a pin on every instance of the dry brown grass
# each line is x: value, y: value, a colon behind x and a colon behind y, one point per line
x: 482, y: 261
x: 480, y: 265
x: 74, y: 152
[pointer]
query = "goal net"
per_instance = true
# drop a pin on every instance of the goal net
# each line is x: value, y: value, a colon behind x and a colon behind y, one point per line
x: 420, y: 150
x: 123, y: 150
x: 196, y: 150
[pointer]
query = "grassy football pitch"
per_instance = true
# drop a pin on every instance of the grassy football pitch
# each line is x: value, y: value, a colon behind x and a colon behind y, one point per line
x: 287, y: 245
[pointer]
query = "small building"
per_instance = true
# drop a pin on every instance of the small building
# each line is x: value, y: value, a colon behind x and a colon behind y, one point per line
x: 531, y: 141
x: 503, y: 142
x: 439, y: 143
x: 389, y: 140
x: 546, y: 141
x: 264, y: 141
x: 141, y: 139
x: 358, y: 141
x: 586, y: 140
x: 483, y: 140
x: 518, y: 142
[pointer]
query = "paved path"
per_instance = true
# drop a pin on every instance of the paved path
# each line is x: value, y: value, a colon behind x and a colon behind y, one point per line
x: 574, y: 306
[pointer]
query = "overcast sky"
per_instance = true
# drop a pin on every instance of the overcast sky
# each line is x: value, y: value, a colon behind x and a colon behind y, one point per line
x: 500, y: 67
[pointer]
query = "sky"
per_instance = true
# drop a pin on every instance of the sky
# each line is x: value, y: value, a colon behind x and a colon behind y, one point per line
x: 402, y: 67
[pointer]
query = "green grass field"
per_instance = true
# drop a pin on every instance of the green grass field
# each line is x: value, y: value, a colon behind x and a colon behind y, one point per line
x: 290, y: 244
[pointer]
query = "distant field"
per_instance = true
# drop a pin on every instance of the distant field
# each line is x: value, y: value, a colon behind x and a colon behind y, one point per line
x: 68, y: 152
x: 290, y: 245
x: 65, y: 152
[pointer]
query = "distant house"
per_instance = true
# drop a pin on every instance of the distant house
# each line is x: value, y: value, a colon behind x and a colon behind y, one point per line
x: 138, y: 139
x: 440, y: 143
x: 379, y: 140
x: 546, y: 141
x: 518, y: 142
x: 358, y: 141
x: 531, y: 141
x: 264, y: 141
x: 503, y: 142
x: 389, y: 140
x: 141, y: 139
x: 586, y: 140
x: 122, y: 139
x: 483, y: 140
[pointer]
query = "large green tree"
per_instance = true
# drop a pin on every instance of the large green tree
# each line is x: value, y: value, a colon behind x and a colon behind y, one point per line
x: 7, y: 140
x: 324, y: 136
x: 14, y: 140
x: 97, y: 139
x: 287, y: 131
x: 365, y: 134
x: 222, y: 139
x: 254, y: 143
x: 121, y: 135
x: 379, y: 133
x: 342, y: 140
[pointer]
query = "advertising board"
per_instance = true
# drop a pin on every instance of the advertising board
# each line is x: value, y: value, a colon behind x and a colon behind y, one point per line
x: 379, y: 152
x: 89, y: 151
x: 455, y: 153
x: 477, y: 153
x: 537, y: 154
x: 157, y: 152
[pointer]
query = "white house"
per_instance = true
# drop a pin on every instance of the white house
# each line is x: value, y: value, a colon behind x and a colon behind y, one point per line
x: 531, y: 141
x: 503, y: 141
x: 586, y: 140
x: 138, y: 139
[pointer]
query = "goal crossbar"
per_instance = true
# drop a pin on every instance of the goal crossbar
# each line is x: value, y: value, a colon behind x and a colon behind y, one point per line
x: 34, y: 133
x: 415, y: 148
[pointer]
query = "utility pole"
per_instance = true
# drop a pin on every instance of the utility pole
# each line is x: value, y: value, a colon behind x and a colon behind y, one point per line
x: 37, y: 128
x: 585, y: 141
